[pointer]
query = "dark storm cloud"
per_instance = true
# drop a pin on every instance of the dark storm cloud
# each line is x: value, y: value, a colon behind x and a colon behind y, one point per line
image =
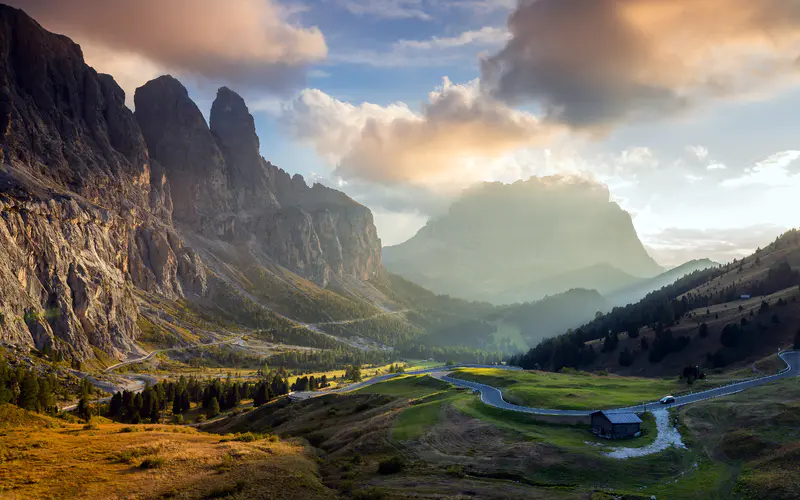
x: 592, y: 63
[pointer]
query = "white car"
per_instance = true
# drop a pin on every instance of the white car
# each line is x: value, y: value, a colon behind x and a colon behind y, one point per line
x: 667, y: 400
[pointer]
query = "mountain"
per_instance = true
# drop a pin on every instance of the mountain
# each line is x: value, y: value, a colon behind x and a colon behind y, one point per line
x: 519, y: 242
x: 713, y: 317
x: 108, y: 217
x: 636, y: 291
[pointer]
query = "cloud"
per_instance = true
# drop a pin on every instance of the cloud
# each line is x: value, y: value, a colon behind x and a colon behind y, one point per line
x: 487, y: 35
x: 248, y: 42
x: 772, y: 172
x: 446, y: 143
x: 593, y: 63
x: 388, y: 9
x: 675, y: 246
x: 436, y: 51
x: 699, y: 152
x: 478, y: 7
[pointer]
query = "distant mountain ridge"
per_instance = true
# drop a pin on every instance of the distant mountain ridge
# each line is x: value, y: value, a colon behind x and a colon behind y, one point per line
x: 518, y: 242
x: 635, y: 291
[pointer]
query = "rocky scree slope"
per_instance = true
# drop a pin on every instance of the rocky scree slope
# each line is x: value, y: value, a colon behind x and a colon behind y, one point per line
x: 96, y: 203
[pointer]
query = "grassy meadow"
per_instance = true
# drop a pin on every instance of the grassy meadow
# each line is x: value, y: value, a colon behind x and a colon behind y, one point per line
x: 42, y: 457
x: 571, y: 391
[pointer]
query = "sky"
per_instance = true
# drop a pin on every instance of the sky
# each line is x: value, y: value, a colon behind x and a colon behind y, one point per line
x: 686, y: 109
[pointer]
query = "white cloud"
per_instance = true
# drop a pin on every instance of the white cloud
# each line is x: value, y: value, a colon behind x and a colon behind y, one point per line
x: 388, y: 9
x: 700, y: 152
x: 485, y: 36
x: 436, y: 51
x: 675, y: 246
x: 446, y: 145
x: 772, y: 172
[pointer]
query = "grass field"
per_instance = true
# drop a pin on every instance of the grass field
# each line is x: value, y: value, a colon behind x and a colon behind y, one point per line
x: 573, y: 437
x: 754, y: 437
x: 42, y: 457
x: 427, y: 396
x: 409, y: 386
x: 571, y: 391
x: 415, y: 421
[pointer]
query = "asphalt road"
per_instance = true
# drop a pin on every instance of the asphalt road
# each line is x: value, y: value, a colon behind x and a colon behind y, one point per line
x: 492, y: 396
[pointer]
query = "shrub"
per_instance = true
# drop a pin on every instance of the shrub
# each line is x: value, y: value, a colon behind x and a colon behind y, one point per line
x: 129, y: 429
x: 455, y: 471
x: 91, y: 425
x: 368, y: 494
x: 392, y: 465
x: 152, y: 463
x: 249, y: 437
x: 625, y: 357
x: 226, y: 491
x: 227, y: 464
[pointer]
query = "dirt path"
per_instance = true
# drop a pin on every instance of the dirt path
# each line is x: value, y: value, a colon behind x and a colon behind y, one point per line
x: 668, y: 436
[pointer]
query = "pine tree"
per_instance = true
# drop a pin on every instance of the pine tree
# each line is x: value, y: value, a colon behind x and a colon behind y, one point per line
x: 29, y: 393
x: 177, y: 405
x: 185, y: 402
x: 84, y: 408
x: 213, y: 408
x: 115, y: 406
x: 47, y: 401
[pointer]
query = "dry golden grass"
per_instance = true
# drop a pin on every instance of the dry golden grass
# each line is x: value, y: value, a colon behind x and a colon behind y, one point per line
x: 45, y: 458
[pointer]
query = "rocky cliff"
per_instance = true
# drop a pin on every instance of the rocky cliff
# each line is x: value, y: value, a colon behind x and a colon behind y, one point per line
x: 229, y: 191
x: 518, y: 242
x: 96, y: 203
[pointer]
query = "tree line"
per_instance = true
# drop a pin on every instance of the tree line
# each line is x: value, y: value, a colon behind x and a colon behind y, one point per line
x: 660, y: 310
x: 213, y: 396
x: 28, y: 389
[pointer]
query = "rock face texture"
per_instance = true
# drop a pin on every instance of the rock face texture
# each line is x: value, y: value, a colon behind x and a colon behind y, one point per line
x: 230, y: 192
x: 505, y: 243
x: 96, y: 202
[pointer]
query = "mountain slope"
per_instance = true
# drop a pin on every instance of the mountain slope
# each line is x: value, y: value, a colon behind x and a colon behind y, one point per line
x: 635, y: 292
x: 105, y: 214
x: 712, y: 318
x: 522, y: 241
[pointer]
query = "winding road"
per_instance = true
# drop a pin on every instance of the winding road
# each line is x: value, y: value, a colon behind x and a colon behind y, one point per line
x: 135, y: 383
x: 492, y: 396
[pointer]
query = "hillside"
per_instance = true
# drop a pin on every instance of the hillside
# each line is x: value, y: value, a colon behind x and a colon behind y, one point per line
x: 156, y: 227
x: 519, y: 242
x: 107, y: 460
x: 635, y: 292
x: 714, y: 318
x: 519, y: 326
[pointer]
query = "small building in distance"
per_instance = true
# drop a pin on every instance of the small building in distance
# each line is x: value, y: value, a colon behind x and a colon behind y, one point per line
x: 616, y: 425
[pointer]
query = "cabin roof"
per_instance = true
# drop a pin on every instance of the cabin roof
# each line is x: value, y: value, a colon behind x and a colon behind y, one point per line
x: 621, y: 418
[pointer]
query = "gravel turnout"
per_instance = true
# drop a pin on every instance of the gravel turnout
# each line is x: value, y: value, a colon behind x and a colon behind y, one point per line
x: 668, y: 436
